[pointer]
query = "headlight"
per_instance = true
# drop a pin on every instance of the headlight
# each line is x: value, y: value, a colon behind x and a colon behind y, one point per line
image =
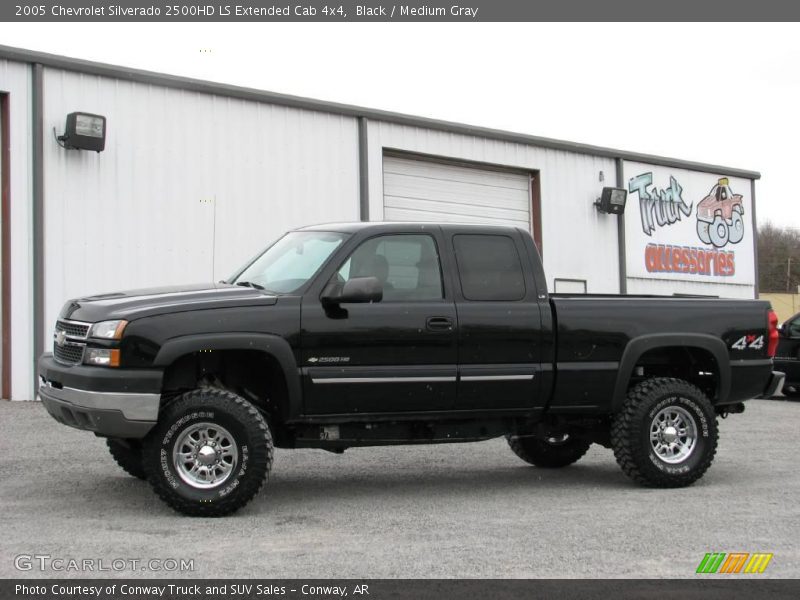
x: 104, y: 357
x: 108, y: 330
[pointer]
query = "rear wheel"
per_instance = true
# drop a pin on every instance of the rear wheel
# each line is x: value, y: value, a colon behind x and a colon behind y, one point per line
x: 551, y: 452
x: 666, y: 433
x: 128, y: 455
x: 210, y: 453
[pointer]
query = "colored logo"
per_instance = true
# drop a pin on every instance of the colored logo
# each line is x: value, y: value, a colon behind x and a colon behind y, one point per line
x: 720, y: 218
x: 735, y: 562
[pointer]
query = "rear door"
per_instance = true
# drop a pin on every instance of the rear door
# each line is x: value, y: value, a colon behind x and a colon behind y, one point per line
x: 499, y: 322
x: 392, y: 356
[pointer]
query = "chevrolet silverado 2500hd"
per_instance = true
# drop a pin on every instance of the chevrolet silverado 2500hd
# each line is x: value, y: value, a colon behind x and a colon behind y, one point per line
x: 388, y: 333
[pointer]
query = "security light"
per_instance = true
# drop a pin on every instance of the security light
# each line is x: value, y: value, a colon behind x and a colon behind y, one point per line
x: 84, y: 131
x: 612, y: 201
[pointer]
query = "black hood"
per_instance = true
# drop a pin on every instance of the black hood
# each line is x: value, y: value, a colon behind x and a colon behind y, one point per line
x: 135, y: 304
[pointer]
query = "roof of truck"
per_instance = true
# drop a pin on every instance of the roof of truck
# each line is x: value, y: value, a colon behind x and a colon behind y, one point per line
x: 355, y: 226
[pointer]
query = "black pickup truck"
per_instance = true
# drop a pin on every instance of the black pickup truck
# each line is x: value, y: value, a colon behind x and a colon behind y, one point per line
x: 388, y: 333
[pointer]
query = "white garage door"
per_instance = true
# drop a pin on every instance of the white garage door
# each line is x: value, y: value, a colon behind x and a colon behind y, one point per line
x: 422, y: 190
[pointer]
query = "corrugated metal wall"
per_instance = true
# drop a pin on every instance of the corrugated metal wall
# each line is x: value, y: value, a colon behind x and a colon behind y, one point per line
x: 188, y: 188
x: 15, y: 79
x: 578, y: 242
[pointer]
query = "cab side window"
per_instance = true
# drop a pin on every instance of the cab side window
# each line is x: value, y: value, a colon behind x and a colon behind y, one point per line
x: 407, y: 266
x: 489, y: 267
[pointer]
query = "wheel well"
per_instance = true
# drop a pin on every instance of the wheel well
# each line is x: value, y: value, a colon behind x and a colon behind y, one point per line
x: 695, y: 365
x: 252, y: 374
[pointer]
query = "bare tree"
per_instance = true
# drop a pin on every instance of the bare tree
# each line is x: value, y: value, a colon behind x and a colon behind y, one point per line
x: 778, y: 258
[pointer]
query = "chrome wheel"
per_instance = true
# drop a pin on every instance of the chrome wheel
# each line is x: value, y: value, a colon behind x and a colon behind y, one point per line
x: 205, y: 455
x: 673, y: 434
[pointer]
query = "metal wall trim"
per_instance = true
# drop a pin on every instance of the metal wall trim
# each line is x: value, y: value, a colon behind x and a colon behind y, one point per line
x: 5, y: 242
x: 37, y: 155
x: 363, y: 168
x: 756, y: 291
x: 623, y: 266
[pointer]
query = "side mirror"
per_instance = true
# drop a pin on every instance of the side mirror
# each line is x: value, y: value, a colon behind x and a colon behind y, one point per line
x: 357, y: 290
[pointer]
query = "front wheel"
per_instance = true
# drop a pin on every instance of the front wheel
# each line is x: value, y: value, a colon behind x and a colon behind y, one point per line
x: 551, y: 452
x: 210, y: 453
x: 666, y: 433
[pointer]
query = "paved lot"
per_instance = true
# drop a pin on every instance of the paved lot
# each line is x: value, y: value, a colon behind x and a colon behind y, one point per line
x: 468, y: 510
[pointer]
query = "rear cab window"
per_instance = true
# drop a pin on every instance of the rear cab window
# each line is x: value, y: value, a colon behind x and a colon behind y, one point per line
x: 489, y: 267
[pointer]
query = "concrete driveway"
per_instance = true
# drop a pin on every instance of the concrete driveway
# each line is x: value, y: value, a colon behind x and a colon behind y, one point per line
x: 466, y: 510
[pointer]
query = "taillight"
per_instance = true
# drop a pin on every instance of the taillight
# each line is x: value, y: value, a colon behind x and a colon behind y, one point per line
x: 772, y: 346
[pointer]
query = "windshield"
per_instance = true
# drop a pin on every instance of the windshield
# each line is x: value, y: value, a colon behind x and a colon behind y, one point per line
x: 290, y: 262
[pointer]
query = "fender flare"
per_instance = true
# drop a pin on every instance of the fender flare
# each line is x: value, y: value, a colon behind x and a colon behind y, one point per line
x: 639, y: 345
x: 272, y: 345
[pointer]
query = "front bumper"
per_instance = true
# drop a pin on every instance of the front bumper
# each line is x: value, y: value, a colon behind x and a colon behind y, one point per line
x: 775, y: 383
x: 109, y: 402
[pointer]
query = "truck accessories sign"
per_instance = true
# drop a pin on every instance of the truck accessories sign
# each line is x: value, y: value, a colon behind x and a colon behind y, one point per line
x: 661, y: 258
x: 690, y: 226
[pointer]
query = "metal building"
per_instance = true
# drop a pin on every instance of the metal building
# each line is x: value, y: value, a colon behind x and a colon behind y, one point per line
x: 196, y: 177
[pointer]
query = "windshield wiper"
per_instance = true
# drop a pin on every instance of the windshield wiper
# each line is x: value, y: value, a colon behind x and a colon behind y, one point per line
x: 250, y: 284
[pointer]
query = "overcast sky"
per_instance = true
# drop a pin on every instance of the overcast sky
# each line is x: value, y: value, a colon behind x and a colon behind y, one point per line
x: 727, y: 94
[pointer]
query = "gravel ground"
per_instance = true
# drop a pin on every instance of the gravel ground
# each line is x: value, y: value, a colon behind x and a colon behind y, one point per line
x: 461, y: 510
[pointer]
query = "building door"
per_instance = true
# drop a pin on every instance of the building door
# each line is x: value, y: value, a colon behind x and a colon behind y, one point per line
x: 426, y: 189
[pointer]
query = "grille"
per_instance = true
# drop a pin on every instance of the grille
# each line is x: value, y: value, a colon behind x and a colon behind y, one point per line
x: 69, y: 353
x: 73, y: 329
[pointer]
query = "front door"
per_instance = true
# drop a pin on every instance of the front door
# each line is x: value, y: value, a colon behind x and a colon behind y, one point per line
x: 391, y: 356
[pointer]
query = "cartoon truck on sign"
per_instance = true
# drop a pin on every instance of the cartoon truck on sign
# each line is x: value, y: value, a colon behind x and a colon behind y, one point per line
x: 719, y: 216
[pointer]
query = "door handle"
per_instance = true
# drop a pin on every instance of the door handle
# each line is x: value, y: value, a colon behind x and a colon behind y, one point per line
x: 439, y: 323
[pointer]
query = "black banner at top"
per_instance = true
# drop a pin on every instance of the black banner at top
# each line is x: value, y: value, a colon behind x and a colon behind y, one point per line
x: 244, y: 11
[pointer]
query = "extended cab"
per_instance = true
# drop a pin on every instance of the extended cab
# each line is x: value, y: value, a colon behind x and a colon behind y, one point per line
x: 388, y: 333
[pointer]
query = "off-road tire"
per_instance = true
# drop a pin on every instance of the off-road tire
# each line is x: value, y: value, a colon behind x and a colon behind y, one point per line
x: 249, y: 431
x: 128, y: 455
x: 548, y: 455
x: 631, y: 430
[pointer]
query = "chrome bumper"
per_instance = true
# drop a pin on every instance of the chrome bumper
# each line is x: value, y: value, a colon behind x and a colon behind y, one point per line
x: 112, y: 414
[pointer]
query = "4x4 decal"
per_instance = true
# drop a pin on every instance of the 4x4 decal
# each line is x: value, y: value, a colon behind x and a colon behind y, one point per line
x: 750, y: 341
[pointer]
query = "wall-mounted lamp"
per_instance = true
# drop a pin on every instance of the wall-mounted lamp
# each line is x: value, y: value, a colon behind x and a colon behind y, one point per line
x: 612, y: 201
x: 84, y: 131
